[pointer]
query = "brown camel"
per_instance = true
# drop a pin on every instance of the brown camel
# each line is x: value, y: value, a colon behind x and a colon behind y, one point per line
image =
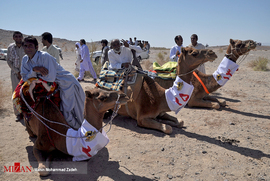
x: 199, y: 97
x: 150, y: 106
x: 97, y: 102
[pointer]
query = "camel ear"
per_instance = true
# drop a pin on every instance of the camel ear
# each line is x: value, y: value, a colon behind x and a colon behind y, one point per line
x: 88, y: 94
x: 183, y: 50
x: 232, y: 42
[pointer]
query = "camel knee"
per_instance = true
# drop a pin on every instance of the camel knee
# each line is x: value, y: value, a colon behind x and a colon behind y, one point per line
x: 222, y: 103
x: 42, y: 170
x: 216, y: 106
x: 166, y: 129
x: 180, y: 124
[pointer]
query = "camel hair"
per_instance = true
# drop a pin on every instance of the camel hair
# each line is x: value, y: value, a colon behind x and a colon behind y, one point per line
x: 199, y: 97
x: 150, y: 106
x: 97, y: 102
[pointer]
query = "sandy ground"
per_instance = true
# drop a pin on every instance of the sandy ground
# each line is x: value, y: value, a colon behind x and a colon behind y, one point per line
x: 232, y: 143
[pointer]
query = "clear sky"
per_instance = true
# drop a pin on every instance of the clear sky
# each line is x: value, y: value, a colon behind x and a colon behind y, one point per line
x: 157, y: 21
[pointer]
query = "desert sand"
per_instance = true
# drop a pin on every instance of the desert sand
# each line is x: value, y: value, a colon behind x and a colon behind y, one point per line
x: 232, y: 143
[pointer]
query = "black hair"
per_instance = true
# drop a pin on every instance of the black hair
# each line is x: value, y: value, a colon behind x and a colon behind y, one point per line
x: 31, y: 39
x: 83, y: 41
x: 47, y: 36
x: 177, y: 37
x: 104, y: 41
x: 195, y: 36
x: 17, y: 32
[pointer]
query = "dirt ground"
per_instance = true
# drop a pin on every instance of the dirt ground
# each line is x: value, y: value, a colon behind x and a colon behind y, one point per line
x: 232, y: 143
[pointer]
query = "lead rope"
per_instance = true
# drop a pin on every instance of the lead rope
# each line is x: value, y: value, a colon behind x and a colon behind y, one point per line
x: 38, y: 116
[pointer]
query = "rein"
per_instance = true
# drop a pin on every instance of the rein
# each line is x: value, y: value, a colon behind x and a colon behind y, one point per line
x: 235, y: 56
x: 38, y: 116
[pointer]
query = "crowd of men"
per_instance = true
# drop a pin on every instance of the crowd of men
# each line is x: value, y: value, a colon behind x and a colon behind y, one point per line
x: 26, y: 61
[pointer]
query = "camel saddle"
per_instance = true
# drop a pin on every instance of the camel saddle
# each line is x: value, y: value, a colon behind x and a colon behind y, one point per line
x: 166, y: 71
x: 127, y: 81
x: 33, y: 90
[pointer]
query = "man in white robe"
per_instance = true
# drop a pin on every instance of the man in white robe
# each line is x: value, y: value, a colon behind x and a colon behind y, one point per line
x: 198, y: 46
x: 44, y: 66
x: 86, y: 64
x: 176, y: 49
x: 121, y: 56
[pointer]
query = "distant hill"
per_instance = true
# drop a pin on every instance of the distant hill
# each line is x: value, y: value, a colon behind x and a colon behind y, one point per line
x: 6, y: 37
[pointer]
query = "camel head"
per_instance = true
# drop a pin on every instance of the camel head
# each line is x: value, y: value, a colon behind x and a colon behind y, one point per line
x: 102, y: 100
x: 191, y: 58
x: 238, y: 48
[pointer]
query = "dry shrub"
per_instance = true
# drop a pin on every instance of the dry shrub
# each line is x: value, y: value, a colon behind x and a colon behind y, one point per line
x: 5, y: 95
x: 260, y: 64
x: 161, y: 59
x: 220, y: 50
x: 165, y: 53
x: 97, y: 69
x: 148, y: 65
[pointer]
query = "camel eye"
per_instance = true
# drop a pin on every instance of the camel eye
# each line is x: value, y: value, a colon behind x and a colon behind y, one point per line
x: 239, y: 45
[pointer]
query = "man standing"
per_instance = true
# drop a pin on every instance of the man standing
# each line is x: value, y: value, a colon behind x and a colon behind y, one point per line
x: 86, y: 64
x: 176, y: 49
x: 105, y: 49
x: 14, y: 59
x: 43, y: 65
x: 196, y: 45
x: 47, y: 40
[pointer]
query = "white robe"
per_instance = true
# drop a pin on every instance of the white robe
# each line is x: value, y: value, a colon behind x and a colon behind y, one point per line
x: 86, y: 65
x: 71, y: 92
x: 125, y: 56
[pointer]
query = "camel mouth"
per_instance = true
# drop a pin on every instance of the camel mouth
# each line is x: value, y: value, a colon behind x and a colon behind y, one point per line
x: 211, y: 56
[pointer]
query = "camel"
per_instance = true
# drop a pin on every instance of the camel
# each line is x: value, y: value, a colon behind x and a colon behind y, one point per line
x: 97, y: 102
x: 199, y: 97
x: 150, y: 106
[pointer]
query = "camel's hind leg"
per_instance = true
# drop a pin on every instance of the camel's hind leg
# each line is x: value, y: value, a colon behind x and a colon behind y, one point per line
x: 170, y: 120
x: 210, y: 98
x: 153, y: 124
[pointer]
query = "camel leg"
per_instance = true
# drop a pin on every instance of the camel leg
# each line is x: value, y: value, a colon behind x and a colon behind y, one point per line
x: 202, y: 103
x: 153, y: 124
x: 41, y: 158
x: 210, y: 98
x: 170, y: 120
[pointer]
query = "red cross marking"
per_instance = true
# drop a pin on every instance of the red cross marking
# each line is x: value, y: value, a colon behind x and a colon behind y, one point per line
x: 86, y: 151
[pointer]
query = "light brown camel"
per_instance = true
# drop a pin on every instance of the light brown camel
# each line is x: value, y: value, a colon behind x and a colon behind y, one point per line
x: 97, y: 102
x: 199, y: 97
x: 150, y: 106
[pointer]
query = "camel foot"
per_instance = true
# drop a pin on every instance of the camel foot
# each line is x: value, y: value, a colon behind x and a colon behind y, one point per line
x: 223, y: 103
x: 180, y: 124
x: 42, y: 170
x: 216, y: 106
x: 166, y: 129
